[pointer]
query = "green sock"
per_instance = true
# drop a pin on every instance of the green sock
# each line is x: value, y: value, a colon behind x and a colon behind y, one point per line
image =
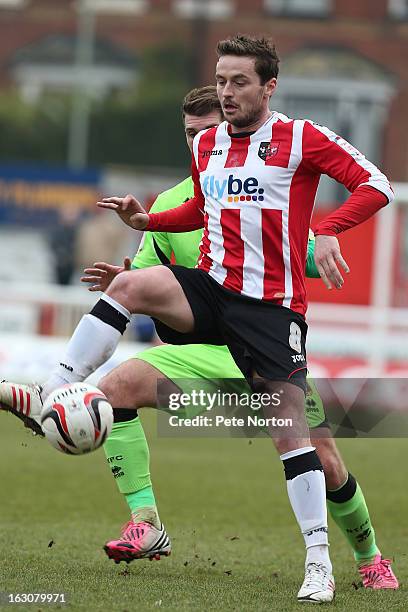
x: 128, y: 457
x: 348, y: 509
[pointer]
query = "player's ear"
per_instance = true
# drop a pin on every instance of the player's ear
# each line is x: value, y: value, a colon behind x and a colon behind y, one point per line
x: 270, y: 86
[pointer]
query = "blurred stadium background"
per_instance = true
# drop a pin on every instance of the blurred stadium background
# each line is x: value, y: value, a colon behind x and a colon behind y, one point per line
x: 90, y: 92
x: 89, y: 104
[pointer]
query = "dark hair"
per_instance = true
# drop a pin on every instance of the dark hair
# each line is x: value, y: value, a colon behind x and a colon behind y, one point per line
x: 262, y: 49
x: 201, y: 101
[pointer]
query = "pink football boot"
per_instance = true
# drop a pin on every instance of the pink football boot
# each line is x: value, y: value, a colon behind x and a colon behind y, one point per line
x: 139, y: 541
x: 378, y: 574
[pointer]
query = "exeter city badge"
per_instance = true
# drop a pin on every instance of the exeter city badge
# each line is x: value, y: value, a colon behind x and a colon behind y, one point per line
x: 267, y: 150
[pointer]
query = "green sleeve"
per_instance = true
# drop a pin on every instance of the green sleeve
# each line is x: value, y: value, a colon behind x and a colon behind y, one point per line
x: 155, y: 247
x: 311, y: 269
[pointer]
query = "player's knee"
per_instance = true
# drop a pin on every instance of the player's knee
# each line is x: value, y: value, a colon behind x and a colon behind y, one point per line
x: 109, y: 388
x: 116, y: 391
x: 139, y: 290
x: 126, y: 392
x: 124, y: 287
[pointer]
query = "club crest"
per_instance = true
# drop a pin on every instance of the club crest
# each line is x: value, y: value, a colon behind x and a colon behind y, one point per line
x: 267, y: 150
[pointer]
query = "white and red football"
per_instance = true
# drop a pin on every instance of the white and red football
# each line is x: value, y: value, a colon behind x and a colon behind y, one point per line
x: 76, y: 418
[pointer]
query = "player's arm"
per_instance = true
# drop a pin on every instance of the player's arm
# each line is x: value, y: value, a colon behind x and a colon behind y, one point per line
x: 154, y: 252
x: 155, y: 248
x: 326, y: 153
x: 185, y: 218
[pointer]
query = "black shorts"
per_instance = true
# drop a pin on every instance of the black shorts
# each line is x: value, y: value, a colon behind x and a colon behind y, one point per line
x: 262, y: 337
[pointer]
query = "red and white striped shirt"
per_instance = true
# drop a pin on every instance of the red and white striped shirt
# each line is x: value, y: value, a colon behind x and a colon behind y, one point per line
x: 254, y: 196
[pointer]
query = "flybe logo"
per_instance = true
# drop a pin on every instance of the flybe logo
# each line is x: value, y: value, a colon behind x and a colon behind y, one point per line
x: 235, y: 189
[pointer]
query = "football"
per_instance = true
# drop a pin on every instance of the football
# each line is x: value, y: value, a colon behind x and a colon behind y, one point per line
x: 76, y: 418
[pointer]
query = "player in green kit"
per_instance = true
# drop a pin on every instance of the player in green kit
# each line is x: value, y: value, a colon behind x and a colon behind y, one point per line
x: 133, y: 385
x: 123, y: 387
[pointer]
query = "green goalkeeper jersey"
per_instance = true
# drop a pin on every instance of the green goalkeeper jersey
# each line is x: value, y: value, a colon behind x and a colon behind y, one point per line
x: 183, y: 248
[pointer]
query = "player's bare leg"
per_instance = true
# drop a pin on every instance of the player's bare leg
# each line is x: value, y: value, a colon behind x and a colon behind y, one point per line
x: 348, y: 509
x: 305, y: 484
x: 154, y: 291
x: 133, y: 385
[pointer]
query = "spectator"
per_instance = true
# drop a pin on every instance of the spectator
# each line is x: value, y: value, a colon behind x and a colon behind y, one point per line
x: 62, y: 240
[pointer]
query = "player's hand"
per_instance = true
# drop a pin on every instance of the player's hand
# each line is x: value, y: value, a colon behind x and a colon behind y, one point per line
x: 129, y: 210
x: 102, y: 274
x: 328, y: 257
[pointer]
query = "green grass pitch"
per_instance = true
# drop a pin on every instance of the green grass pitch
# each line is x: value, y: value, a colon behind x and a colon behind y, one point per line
x: 235, y: 542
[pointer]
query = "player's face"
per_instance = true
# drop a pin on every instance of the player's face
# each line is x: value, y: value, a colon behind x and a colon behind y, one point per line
x: 194, y: 124
x: 244, y: 100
